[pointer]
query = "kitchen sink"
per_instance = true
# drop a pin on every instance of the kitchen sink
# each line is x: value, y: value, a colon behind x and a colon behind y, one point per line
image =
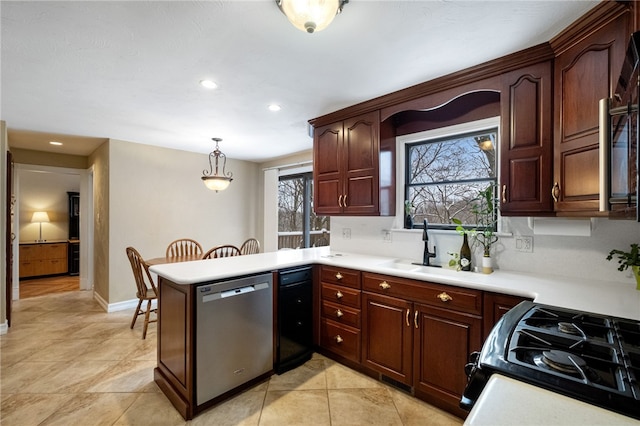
x: 400, y: 264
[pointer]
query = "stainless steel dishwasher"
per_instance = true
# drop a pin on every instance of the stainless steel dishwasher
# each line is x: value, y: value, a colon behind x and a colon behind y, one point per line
x: 234, y: 334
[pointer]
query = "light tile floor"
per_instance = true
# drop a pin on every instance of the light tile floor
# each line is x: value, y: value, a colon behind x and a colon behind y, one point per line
x: 67, y: 362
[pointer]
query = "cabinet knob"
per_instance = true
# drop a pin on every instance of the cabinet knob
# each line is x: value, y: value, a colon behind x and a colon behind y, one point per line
x: 504, y: 193
x: 385, y: 285
x: 339, y: 276
x: 339, y: 313
x: 339, y: 294
x: 339, y: 339
x: 444, y: 297
x: 555, y: 192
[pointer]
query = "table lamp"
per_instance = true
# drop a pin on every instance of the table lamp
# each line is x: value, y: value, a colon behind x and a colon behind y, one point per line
x: 39, y: 217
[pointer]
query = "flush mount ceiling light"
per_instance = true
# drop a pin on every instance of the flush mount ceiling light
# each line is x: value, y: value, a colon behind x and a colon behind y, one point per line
x: 311, y: 15
x: 274, y: 107
x: 211, y: 178
x: 55, y: 143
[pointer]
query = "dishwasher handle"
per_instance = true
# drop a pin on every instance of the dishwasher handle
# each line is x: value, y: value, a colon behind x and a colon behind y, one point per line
x: 234, y: 292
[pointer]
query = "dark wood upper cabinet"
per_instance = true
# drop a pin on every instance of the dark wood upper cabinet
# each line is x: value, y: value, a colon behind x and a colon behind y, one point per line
x: 586, y: 70
x: 526, y: 145
x: 347, y: 157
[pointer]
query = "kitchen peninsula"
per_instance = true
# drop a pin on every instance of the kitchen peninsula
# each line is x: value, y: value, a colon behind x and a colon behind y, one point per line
x: 175, y: 373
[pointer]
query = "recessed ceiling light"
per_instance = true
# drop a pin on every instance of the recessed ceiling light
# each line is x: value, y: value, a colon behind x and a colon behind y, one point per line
x: 274, y: 107
x: 209, y: 84
x: 55, y: 143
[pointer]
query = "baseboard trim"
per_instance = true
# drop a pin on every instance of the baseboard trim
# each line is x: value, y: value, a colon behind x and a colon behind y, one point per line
x: 119, y: 306
x: 4, y: 327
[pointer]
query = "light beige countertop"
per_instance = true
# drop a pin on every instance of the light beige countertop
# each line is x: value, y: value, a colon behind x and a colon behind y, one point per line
x: 508, y: 402
x: 606, y: 298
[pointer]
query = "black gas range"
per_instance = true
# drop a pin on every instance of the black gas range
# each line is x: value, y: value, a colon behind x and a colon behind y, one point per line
x: 590, y: 357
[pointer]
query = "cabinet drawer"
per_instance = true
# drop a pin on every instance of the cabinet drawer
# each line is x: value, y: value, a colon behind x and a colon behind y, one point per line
x: 444, y: 296
x: 340, y: 339
x: 340, y: 276
x: 54, y: 251
x: 341, y: 314
x: 30, y: 252
x: 341, y: 295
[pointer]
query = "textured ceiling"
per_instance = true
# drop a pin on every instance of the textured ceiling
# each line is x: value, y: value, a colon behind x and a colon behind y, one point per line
x: 130, y: 70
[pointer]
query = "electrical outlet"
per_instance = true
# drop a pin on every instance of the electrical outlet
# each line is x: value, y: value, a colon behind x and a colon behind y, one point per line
x: 524, y: 244
x: 346, y: 233
x: 386, y: 236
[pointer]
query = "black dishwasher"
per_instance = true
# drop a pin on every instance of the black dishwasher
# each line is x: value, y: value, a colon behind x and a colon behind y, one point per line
x: 294, y: 344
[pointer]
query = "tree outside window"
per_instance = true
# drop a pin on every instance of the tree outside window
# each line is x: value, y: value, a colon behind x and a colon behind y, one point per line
x: 298, y: 225
x: 444, y: 176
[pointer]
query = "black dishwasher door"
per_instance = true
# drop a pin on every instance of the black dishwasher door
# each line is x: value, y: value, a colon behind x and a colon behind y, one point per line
x: 294, y: 344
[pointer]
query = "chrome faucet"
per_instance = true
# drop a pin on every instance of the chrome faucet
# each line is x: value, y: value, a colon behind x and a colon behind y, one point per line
x: 427, y: 254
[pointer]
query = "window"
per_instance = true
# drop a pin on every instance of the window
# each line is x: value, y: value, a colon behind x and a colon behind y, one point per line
x: 443, y: 176
x: 298, y: 225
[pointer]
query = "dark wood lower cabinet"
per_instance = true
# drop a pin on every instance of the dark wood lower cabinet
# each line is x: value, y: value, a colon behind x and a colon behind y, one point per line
x: 387, y: 336
x: 443, y: 340
x: 495, y: 305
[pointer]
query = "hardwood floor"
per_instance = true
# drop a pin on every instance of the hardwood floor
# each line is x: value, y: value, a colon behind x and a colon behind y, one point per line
x: 41, y: 286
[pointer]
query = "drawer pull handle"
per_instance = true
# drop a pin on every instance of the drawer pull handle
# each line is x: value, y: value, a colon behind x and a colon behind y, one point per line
x: 339, y: 339
x: 555, y: 192
x: 385, y: 285
x: 339, y: 313
x: 504, y: 193
x: 339, y: 294
x: 340, y: 201
x: 406, y: 317
x: 339, y: 276
x: 444, y: 297
x: 415, y: 319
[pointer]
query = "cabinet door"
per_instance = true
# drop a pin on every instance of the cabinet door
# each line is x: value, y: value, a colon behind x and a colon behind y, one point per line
x: 526, y: 147
x: 584, y: 74
x: 361, y: 164
x: 443, y: 340
x: 328, y: 186
x: 387, y: 336
x: 495, y: 306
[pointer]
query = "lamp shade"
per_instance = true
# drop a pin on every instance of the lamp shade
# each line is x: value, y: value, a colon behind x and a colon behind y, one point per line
x: 39, y: 217
x: 216, y: 183
x: 310, y: 15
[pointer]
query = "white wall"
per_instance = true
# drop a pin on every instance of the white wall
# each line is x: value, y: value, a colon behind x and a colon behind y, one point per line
x: 562, y: 255
x: 156, y: 196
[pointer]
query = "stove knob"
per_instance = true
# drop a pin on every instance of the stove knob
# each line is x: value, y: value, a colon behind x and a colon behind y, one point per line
x: 474, y: 356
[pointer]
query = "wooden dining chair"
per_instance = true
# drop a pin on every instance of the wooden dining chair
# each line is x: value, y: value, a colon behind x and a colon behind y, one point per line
x: 184, y: 247
x: 146, y: 289
x: 250, y: 246
x: 226, y: 250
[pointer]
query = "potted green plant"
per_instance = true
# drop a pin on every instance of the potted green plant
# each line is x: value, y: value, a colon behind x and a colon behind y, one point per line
x: 483, y: 207
x: 628, y: 259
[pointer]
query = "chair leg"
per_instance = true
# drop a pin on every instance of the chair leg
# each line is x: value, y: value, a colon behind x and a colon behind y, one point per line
x: 146, y: 319
x: 136, y: 313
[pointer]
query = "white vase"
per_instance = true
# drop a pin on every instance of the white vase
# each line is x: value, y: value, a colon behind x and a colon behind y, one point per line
x: 487, y: 267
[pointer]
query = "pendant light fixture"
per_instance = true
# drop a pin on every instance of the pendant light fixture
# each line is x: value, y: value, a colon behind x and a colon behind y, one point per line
x: 311, y: 15
x: 211, y: 178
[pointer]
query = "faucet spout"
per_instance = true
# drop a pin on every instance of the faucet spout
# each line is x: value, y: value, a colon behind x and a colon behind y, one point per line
x: 427, y: 255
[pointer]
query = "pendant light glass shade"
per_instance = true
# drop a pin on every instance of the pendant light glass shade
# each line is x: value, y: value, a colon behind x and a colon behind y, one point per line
x: 310, y: 15
x: 211, y: 178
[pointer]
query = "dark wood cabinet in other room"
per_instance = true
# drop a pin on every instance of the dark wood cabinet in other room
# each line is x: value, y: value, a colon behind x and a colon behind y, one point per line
x: 347, y: 158
x: 526, y: 147
x: 586, y: 70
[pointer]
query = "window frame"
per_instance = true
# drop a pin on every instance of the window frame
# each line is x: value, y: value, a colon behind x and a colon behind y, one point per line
x: 405, y: 141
